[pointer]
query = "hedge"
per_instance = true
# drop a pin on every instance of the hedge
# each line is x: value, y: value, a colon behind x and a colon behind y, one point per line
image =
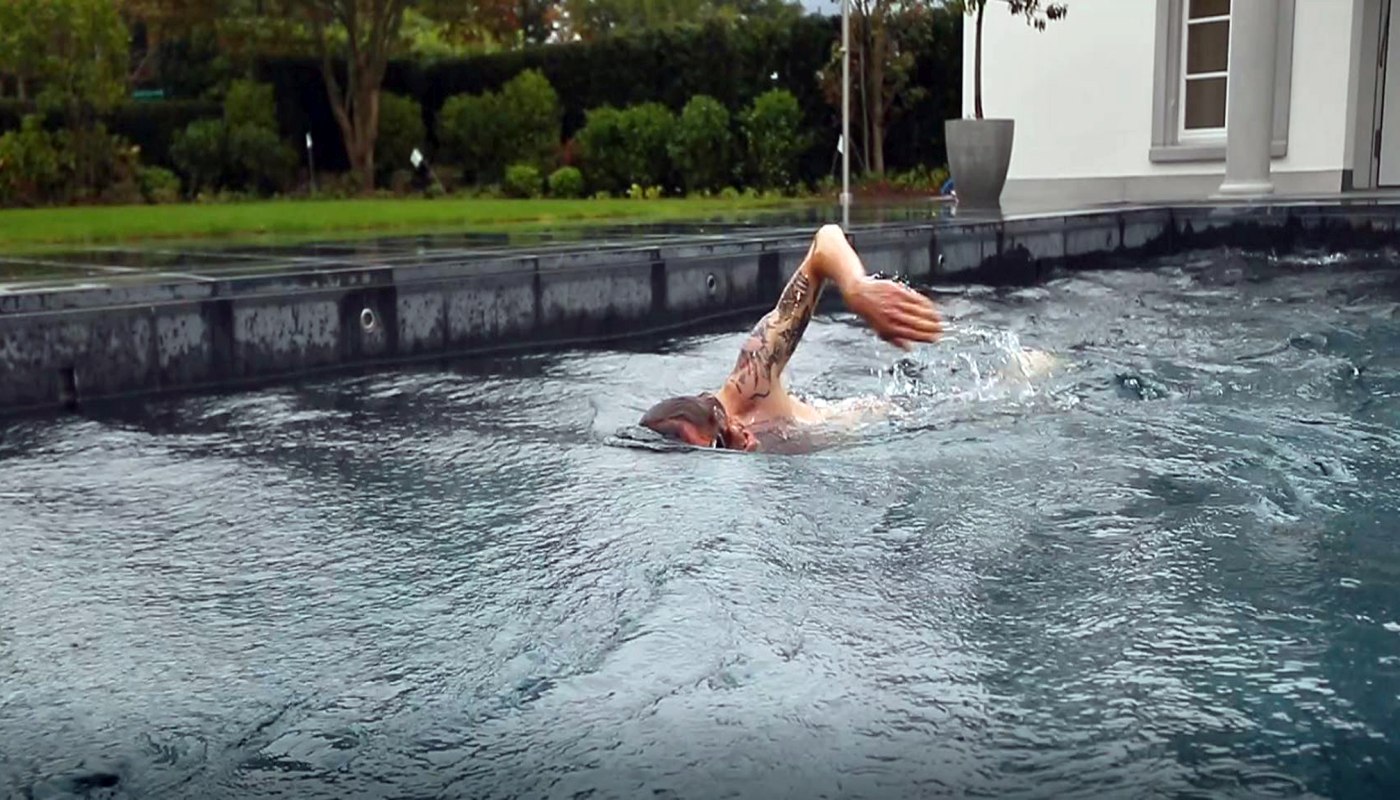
x: 733, y: 64
x: 149, y: 125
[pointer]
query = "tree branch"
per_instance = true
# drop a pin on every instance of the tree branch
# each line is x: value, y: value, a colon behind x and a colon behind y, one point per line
x: 338, y: 105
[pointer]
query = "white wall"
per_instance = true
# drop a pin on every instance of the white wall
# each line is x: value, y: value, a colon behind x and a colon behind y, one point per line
x: 1081, y: 91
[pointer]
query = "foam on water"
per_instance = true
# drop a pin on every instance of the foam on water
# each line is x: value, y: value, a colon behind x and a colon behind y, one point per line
x: 1165, y: 568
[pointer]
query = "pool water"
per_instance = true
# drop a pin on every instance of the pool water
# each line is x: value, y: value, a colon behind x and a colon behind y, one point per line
x: 1169, y: 569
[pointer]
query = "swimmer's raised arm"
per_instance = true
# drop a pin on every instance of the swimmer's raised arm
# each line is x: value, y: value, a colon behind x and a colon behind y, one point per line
x: 899, y: 315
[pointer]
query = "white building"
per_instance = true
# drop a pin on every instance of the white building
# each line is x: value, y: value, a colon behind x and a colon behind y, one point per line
x: 1139, y: 100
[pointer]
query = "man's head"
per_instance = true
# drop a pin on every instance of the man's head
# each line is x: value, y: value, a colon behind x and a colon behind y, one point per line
x: 699, y: 420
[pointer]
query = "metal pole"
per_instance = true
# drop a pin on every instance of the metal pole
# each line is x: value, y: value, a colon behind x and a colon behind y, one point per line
x: 846, y: 115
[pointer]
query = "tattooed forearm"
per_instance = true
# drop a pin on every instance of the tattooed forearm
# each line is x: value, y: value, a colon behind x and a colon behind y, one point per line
x: 774, y: 339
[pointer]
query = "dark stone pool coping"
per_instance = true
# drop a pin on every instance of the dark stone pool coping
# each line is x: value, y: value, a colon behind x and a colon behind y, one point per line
x: 65, y: 346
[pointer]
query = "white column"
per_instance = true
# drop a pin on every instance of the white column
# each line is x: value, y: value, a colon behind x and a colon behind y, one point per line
x: 1250, y: 105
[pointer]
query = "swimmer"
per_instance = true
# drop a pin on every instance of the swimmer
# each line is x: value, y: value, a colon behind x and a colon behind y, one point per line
x: 753, y: 400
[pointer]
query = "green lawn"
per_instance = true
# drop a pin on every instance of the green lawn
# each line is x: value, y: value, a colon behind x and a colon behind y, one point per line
x: 288, y: 220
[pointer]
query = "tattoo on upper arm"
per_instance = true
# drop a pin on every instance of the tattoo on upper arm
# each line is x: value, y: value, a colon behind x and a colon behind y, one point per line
x: 772, y: 341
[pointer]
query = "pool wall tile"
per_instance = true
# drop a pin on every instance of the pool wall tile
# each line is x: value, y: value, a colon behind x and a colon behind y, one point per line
x: 141, y: 333
x: 422, y: 320
x: 489, y: 308
x: 278, y: 336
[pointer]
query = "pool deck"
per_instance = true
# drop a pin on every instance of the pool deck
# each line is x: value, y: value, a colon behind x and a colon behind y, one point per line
x: 108, y: 323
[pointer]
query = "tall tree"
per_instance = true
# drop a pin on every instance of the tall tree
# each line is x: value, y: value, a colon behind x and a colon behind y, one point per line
x: 362, y: 35
x: 882, y: 62
x: 73, y: 51
x: 590, y: 19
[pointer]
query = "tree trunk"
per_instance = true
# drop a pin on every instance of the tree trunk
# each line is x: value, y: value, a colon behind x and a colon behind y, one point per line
x: 360, y: 122
x: 21, y: 87
x: 865, y: 92
x: 879, y: 42
x: 977, y: 66
x: 366, y: 128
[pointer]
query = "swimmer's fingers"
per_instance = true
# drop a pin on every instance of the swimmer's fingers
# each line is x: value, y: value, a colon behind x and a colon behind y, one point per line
x: 916, y: 327
x: 922, y: 317
x: 921, y: 311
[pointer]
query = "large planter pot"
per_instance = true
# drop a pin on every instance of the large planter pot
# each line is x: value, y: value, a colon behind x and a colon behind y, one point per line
x: 979, y: 154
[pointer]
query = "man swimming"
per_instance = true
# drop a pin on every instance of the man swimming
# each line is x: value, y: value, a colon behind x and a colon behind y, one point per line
x: 753, y: 399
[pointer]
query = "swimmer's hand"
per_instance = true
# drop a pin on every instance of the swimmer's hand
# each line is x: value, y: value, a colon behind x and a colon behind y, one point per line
x: 899, y: 315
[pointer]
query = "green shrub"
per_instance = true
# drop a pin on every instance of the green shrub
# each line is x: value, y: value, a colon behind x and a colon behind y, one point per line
x: 485, y: 132
x: 649, y: 128
x: 400, y: 131
x: 566, y: 182
x: 603, y: 150
x: 99, y: 166
x: 623, y: 147
x: 470, y: 130
x: 200, y: 153
x: 31, y: 167
x: 250, y: 103
x: 773, y: 134
x: 158, y: 185
x: 729, y: 193
x: 522, y: 180
x: 701, y: 148
x: 532, y: 120
x: 260, y: 161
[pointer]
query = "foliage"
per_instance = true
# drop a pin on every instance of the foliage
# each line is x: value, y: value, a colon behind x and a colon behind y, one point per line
x: 522, y: 180
x: 592, y: 19
x: 250, y: 103
x: 471, y: 133
x: 649, y: 128
x: 31, y: 167
x: 566, y: 182
x: 485, y: 132
x: 494, y: 23
x: 258, y: 160
x: 400, y: 131
x: 76, y: 50
x: 200, y: 152
x: 158, y: 185
x: 620, y: 147
x: 604, y: 151
x: 370, y: 39
x: 148, y: 125
x: 39, y: 166
x: 732, y: 62
x: 429, y: 39
x: 240, y: 150
x: 701, y: 146
x: 101, y: 167
x: 884, y: 39
x: 532, y: 117
x: 774, y: 138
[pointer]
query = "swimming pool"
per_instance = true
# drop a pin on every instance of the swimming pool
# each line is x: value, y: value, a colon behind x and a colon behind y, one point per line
x: 1169, y: 569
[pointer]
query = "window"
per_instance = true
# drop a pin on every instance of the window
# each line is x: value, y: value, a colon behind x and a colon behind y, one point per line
x: 1207, y: 70
x: 1192, y: 79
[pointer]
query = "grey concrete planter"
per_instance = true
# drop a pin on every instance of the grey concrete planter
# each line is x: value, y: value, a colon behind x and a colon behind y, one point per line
x: 979, y: 154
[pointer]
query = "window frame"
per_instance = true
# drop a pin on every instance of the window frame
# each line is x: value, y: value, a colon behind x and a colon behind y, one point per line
x: 1199, y: 134
x: 1171, y: 141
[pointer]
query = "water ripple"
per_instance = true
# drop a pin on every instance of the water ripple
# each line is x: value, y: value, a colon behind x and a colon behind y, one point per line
x: 1165, y: 568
